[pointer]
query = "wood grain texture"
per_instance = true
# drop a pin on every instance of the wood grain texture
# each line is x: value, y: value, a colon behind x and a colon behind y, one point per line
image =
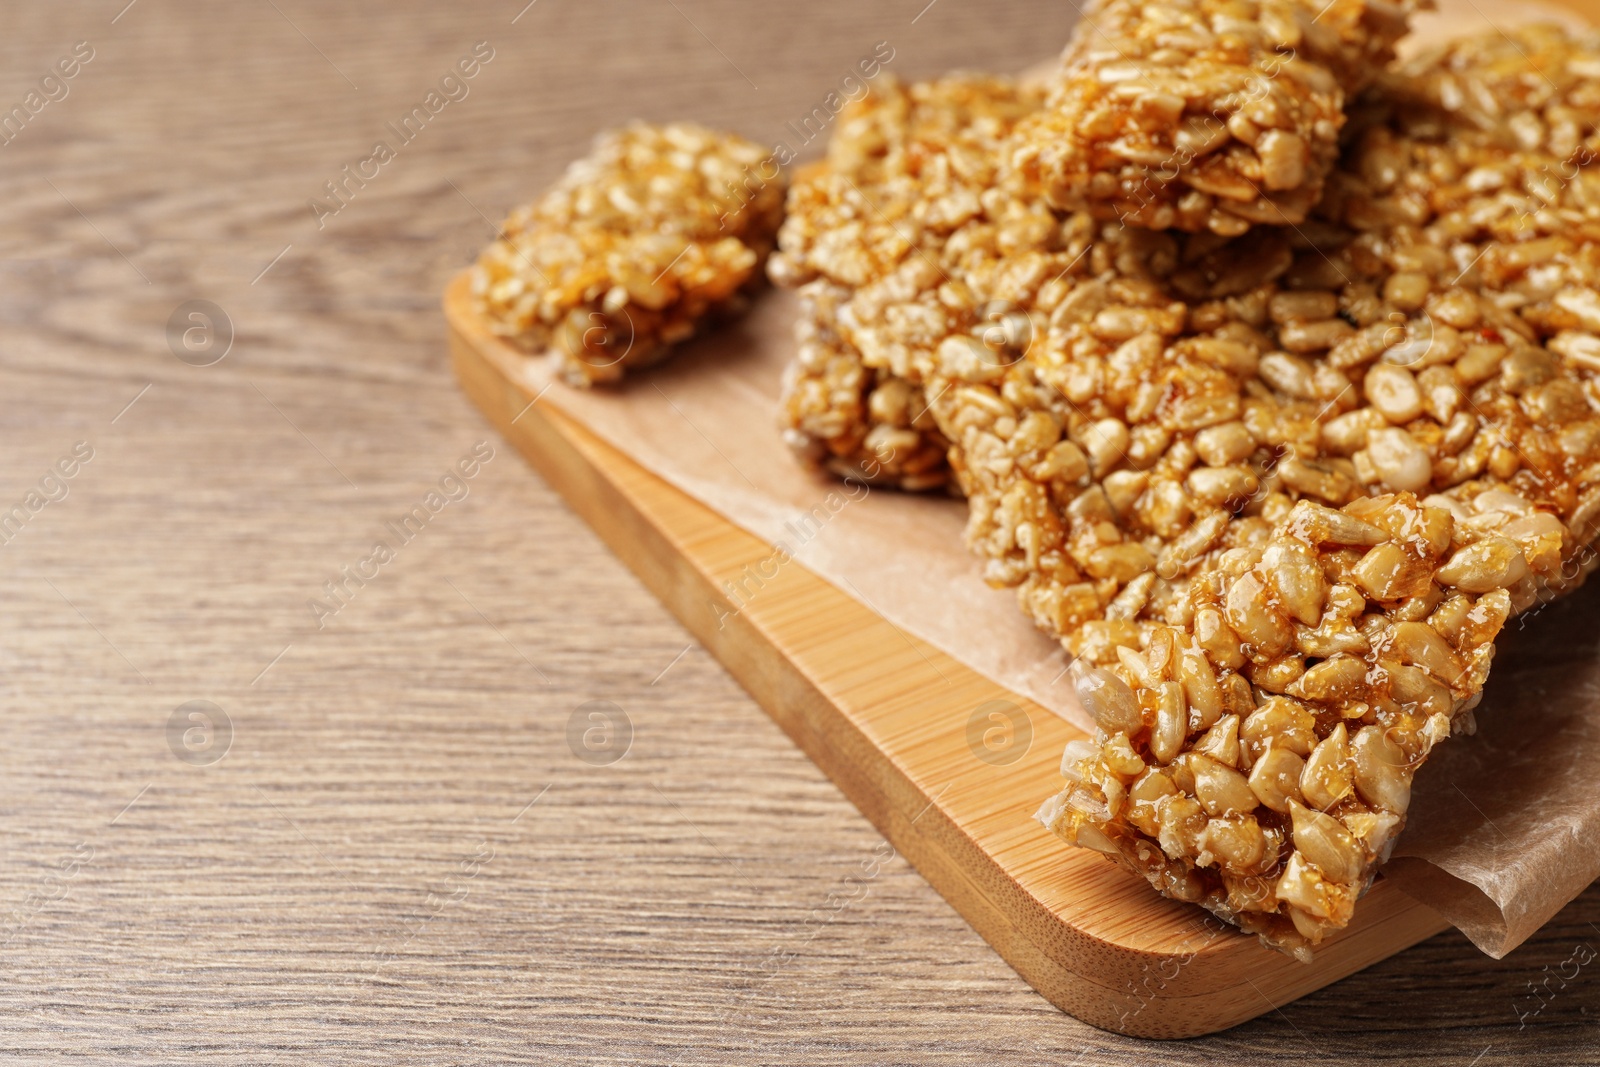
x: 679, y: 906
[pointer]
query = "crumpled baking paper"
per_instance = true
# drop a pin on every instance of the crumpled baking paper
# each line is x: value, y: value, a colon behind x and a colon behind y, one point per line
x: 1504, y: 826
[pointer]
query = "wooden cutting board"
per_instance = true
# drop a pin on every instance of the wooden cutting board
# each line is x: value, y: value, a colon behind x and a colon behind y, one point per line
x: 948, y: 765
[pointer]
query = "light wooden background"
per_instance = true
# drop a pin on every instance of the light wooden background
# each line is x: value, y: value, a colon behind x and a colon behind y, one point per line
x: 352, y: 882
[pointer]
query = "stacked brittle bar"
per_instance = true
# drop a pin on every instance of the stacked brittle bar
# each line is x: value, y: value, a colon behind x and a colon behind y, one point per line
x: 1204, y: 114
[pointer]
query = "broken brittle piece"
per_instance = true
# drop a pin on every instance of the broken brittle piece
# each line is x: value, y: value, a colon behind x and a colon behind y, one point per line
x: 659, y: 229
x: 840, y: 415
x: 886, y: 243
x: 1534, y: 88
x: 1257, y: 756
x: 1204, y: 114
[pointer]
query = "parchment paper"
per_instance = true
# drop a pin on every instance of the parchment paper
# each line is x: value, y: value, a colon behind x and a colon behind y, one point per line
x: 1504, y: 827
x: 707, y: 422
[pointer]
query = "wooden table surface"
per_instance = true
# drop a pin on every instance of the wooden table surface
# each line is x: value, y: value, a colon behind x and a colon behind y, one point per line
x: 389, y: 845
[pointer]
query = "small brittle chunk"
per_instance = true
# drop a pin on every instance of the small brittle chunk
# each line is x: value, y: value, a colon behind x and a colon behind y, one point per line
x: 1204, y: 114
x: 658, y: 230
